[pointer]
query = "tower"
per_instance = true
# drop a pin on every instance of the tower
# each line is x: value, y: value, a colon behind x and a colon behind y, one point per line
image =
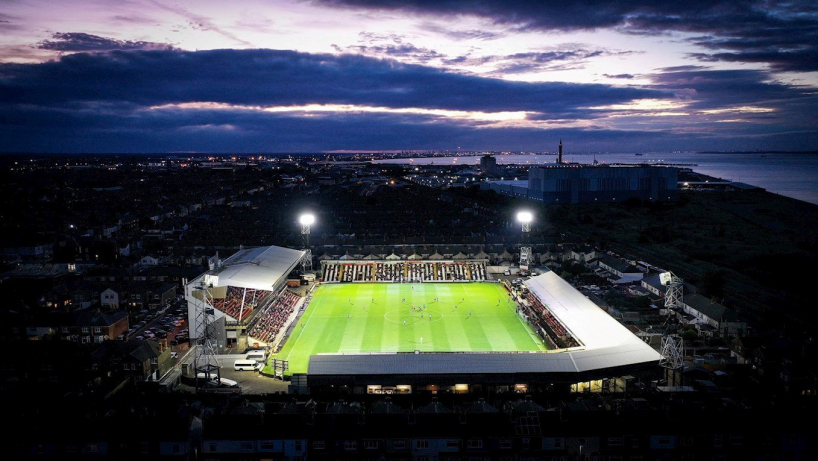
x: 525, y: 218
x: 306, y: 221
x: 205, y: 364
x: 672, y: 345
x: 674, y: 289
x: 672, y: 359
x: 559, y: 156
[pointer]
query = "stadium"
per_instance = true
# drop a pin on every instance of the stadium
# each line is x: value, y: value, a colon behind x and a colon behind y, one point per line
x: 408, y: 325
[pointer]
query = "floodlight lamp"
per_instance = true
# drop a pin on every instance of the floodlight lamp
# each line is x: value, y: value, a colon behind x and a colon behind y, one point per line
x: 525, y: 217
x: 306, y: 219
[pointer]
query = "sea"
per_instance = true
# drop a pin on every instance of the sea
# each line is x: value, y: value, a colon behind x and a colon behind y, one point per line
x: 793, y: 175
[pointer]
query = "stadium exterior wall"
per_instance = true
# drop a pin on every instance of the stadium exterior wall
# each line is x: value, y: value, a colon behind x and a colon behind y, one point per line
x: 326, y: 382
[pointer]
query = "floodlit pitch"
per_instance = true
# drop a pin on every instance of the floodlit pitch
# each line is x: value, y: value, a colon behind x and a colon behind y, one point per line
x: 430, y: 317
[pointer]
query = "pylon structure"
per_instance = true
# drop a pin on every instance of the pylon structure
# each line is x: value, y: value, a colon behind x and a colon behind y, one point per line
x: 672, y: 359
x: 205, y: 362
x: 305, y: 221
x: 674, y: 289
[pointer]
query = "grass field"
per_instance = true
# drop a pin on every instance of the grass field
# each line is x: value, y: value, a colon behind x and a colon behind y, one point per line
x: 379, y: 317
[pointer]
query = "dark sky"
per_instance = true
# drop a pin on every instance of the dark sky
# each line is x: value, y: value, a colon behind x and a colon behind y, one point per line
x: 306, y: 76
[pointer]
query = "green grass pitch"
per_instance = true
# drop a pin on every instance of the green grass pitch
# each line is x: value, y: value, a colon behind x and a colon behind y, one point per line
x: 379, y: 317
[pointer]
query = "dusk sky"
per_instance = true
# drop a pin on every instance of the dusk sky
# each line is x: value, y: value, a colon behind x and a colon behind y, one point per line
x: 252, y: 76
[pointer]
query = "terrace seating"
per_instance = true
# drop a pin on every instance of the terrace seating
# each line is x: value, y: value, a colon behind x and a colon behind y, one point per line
x: 543, y: 318
x: 239, y: 303
x: 267, y: 324
x: 404, y: 271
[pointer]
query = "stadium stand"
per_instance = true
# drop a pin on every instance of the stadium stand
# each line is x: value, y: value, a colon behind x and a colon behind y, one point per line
x: 547, y: 325
x: 239, y: 303
x: 404, y: 271
x: 270, y: 320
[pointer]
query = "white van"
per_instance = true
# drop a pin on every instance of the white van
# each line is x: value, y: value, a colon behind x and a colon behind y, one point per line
x: 245, y: 365
x: 257, y: 354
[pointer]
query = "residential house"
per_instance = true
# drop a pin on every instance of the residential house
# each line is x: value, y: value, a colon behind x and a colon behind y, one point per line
x: 712, y: 318
x: 82, y: 326
x: 29, y: 252
x: 109, y: 299
x: 139, y: 360
x: 622, y: 271
x: 149, y: 261
x: 653, y: 285
x: 145, y: 294
x: 583, y: 253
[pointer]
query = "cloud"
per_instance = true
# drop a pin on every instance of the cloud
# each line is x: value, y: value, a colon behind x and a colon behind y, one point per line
x: 199, y: 22
x: 564, y: 57
x: 559, y: 57
x: 746, y: 97
x: 792, y: 61
x: 624, y: 76
x: 782, y: 34
x: 715, y: 88
x: 389, y: 46
x: 133, y: 19
x: 9, y: 23
x: 217, y: 131
x: 272, y: 77
x: 259, y: 101
x: 461, y: 34
x: 77, y: 42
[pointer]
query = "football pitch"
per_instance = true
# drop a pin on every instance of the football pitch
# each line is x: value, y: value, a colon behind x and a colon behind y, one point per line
x: 388, y: 317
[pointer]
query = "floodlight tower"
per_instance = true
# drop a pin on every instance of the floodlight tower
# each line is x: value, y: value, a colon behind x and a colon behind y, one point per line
x: 306, y: 221
x: 525, y: 217
x: 674, y: 289
x: 672, y: 345
x: 672, y: 359
x: 204, y: 360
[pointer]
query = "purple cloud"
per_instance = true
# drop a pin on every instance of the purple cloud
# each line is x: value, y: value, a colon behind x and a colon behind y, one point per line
x: 783, y: 34
x: 77, y: 42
